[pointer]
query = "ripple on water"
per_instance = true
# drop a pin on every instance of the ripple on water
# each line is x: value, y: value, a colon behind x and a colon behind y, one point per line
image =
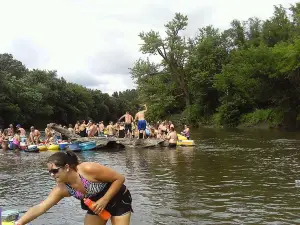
x: 236, y: 179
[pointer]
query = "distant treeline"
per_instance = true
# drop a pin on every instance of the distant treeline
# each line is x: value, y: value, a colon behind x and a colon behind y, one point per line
x: 247, y: 74
x: 36, y: 97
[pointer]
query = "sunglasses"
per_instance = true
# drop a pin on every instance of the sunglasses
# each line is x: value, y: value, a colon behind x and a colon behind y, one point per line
x: 54, y: 171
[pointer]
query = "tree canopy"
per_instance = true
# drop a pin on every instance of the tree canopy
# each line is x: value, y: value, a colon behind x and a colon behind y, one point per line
x: 249, y: 73
x: 36, y: 97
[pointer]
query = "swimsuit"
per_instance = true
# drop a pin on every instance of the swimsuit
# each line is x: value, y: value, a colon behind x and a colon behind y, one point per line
x: 119, y: 205
x: 128, y: 127
x: 121, y: 133
x: 187, y: 135
x: 172, y: 145
x: 141, y: 125
x: 15, y: 144
x: 83, y: 133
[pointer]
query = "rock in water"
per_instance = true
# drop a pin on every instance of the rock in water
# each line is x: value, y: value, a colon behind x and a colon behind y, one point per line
x: 111, y: 142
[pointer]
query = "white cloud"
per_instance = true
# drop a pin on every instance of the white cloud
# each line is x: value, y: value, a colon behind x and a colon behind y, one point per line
x: 94, y: 42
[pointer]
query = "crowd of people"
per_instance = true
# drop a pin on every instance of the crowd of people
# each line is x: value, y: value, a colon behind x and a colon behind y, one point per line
x: 127, y: 126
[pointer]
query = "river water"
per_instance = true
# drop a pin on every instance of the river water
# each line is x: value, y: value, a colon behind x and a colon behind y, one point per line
x: 231, y: 177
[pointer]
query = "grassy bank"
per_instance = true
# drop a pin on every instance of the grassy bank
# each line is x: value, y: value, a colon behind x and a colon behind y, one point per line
x: 260, y: 118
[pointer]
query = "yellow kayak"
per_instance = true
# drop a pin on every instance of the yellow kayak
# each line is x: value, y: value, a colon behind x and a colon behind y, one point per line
x: 53, y: 147
x: 185, y: 143
x: 181, y: 137
x: 42, y: 147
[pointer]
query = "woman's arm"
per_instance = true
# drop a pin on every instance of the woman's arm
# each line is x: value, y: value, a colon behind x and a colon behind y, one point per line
x: 53, y: 198
x: 105, y: 174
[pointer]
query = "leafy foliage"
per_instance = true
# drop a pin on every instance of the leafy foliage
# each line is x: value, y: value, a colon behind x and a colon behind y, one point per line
x: 227, y: 77
x: 38, y: 97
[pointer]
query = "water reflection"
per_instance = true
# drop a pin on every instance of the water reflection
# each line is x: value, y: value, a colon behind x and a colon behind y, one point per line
x: 231, y: 177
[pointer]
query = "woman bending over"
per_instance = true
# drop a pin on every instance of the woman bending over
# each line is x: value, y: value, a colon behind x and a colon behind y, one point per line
x: 90, y: 180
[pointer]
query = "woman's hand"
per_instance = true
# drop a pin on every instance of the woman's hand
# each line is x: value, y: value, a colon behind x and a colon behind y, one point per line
x: 99, y: 205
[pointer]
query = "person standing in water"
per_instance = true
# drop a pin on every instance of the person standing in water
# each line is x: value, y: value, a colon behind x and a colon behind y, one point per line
x: 82, y: 129
x: 141, y: 125
x: 101, y: 129
x: 83, y: 180
x: 172, y: 137
x: 5, y: 139
x: 186, y: 132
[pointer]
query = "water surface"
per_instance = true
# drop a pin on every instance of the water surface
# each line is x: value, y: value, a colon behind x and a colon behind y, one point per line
x: 231, y: 177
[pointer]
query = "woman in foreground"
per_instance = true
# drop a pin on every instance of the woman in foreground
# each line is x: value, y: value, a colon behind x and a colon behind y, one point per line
x: 90, y: 180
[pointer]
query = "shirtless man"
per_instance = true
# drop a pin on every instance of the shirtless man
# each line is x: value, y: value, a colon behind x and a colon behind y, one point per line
x: 22, y: 130
x: 76, y: 127
x: 171, y: 124
x: 110, y: 129
x: 140, y: 117
x: 101, y: 129
x: 172, y: 137
x: 92, y: 129
x: 34, y: 136
x: 82, y: 129
x: 71, y: 129
x: 162, y: 128
x: 11, y: 131
x: 48, y: 133
x: 128, y: 121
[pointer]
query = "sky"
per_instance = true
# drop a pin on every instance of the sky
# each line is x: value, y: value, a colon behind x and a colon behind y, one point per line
x: 94, y: 42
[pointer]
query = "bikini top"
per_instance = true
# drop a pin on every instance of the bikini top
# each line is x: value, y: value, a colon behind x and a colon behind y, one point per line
x: 91, y: 188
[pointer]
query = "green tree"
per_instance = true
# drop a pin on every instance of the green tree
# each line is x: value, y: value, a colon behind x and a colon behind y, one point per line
x: 173, y: 50
x: 36, y: 97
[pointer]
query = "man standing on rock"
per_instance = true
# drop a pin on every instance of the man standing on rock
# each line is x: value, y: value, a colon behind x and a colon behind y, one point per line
x: 128, y: 121
x: 140, y: 116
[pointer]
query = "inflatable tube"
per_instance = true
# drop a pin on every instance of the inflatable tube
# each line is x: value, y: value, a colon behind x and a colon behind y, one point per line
x: 87, y: 145
x: 8, y: 223
x: 23, y: 146
x: 181, y: 137
x: 10, y: 145
x: 12, y: 223
x: 74, y: 147
x: 32, y: 147
x: 147, y: 132
x: 62, y: 146
x: 9, y: 217
x: 53, y: 147
x: 185, y: 143
x: 42, y: 147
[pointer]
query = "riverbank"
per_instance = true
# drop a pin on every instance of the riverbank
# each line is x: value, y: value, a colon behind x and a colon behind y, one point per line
x: 265, y: 119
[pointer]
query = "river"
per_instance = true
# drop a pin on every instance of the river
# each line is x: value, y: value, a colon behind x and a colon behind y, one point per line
x: 231, y: 177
